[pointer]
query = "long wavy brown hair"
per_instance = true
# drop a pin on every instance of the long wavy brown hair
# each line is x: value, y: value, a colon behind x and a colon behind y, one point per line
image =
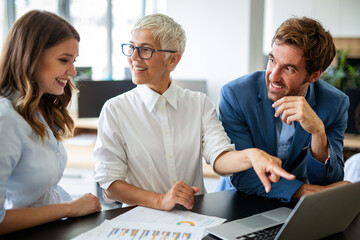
x: 25, y: 44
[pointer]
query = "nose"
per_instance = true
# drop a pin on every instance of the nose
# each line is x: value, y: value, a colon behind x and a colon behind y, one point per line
x: 71, y: 71
x: 274, y: 73
x: 136, y: 55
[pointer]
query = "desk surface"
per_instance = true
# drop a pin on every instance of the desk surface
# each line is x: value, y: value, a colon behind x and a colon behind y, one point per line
x: 227, y: 204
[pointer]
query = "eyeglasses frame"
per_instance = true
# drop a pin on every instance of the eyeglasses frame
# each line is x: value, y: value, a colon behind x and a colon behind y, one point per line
x: 138, y: 48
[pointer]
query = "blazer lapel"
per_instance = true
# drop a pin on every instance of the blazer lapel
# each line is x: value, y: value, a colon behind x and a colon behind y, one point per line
x: 267, y: 119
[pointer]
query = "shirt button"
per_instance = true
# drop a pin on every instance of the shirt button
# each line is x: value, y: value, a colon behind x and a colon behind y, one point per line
x: 58, y: 153
x: 173, y: 181
x: 170, y: 156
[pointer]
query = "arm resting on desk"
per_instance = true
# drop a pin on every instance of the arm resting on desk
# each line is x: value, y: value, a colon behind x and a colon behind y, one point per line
x: 180, y: 193
x: 22, y: 218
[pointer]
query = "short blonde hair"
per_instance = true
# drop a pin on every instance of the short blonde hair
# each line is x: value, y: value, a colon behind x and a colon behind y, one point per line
x: 170, y: 34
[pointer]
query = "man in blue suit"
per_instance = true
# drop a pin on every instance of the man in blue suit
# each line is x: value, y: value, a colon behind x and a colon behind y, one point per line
x: 288, y: 112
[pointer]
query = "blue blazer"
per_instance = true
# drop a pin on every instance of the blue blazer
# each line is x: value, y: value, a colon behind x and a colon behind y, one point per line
x: 249, y: 121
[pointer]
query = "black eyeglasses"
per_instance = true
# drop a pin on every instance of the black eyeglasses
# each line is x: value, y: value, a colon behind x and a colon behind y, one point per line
x: 144, y: 52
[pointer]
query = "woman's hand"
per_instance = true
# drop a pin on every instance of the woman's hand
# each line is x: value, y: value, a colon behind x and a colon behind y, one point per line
x: 84, y: 205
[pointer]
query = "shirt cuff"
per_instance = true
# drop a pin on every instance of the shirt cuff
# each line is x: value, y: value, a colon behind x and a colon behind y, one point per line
x: 212, y: 161
x: 106, y: 199
x: 317, y: 171
x: 327, y: 159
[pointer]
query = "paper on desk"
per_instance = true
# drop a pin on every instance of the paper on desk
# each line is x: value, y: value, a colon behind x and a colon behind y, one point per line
x: 173, y: 217
x: 135, y: 231
x: 84, y: 139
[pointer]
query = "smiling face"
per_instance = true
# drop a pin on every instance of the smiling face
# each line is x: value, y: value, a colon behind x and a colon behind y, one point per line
x: 153, y: 72
x: 286, y: 74
x: 57, y: 66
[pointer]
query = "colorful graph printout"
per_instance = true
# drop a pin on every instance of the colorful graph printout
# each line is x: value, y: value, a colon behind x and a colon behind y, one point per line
x: 145, y: 223
x: 173, y: 217
x: 146, y: 234
x: 186, y: 223
x: 110, y: 230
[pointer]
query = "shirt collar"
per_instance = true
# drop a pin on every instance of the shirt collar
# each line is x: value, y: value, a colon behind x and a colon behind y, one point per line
x: 151, y: 97
x: 306, y: 93
x: 171, y: 95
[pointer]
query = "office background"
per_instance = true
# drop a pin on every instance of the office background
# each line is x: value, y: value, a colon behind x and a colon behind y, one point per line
x: 225, y: 38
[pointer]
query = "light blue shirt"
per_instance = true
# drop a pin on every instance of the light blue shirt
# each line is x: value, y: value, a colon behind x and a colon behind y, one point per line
x: 284, y: 136
x: 29, y: 168
x: 352, y: 168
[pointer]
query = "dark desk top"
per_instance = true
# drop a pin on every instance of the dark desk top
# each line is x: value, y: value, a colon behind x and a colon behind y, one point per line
x: 228, y: 204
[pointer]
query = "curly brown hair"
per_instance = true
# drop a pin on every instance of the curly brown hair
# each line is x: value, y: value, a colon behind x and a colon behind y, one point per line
x: 26, y: 42
x: 310, y: 36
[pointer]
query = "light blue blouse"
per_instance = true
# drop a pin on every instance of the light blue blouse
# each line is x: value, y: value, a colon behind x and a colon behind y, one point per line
x: 29, y: 169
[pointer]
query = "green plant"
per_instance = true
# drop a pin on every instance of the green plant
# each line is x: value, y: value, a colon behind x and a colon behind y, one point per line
x: 343, y: 75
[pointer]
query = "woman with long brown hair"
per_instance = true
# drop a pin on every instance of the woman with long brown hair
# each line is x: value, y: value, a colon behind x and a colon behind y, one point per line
x: 36, y: 67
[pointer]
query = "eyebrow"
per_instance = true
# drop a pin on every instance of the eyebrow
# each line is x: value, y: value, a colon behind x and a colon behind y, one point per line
x: 143, y: 44
x: 68, y: 55
x: 286, y: 65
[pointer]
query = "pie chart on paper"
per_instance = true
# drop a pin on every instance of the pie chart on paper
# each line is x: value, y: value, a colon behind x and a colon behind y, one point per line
x: 185, y: 223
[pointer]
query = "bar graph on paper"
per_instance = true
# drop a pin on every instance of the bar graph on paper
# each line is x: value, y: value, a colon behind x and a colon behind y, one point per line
x: 145, y: 234
x: 142, y: 223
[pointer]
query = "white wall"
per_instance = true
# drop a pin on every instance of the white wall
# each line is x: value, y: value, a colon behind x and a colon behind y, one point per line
x: 341, y: 17
x: 220, y: 46
x: 217, y: 40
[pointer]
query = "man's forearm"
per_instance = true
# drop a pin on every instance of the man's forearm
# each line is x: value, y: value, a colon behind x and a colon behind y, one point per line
x: 312, y: 188
x: 319, y: 145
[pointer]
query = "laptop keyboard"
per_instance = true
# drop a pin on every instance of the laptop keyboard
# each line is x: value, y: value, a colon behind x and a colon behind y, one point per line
x: 268, y: 233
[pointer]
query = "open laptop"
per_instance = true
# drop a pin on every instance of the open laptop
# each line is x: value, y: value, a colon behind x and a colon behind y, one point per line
x: 315, y: 216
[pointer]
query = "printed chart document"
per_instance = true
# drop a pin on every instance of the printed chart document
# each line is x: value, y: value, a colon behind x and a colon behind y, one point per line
x: 140, y: 231
x: 146, y: 223
x: 173, y: 217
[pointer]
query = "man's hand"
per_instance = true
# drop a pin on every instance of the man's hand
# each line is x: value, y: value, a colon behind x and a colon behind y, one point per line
x: 267, y: 167
x: 180, y: 193
x: 296, y: 108
x: 311, y: 188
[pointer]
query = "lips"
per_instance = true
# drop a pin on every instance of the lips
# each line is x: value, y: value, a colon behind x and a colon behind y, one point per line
x: 139, y: 68
x: 62, y: 81
x: 274, y: 85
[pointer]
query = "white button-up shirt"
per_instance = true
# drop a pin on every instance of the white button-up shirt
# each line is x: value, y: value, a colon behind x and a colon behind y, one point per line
x: 151, y: 141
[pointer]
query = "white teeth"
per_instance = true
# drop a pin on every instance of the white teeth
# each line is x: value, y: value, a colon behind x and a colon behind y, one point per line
x: 276, y: 86
x: 138, y: 68
x: 61, y: 80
